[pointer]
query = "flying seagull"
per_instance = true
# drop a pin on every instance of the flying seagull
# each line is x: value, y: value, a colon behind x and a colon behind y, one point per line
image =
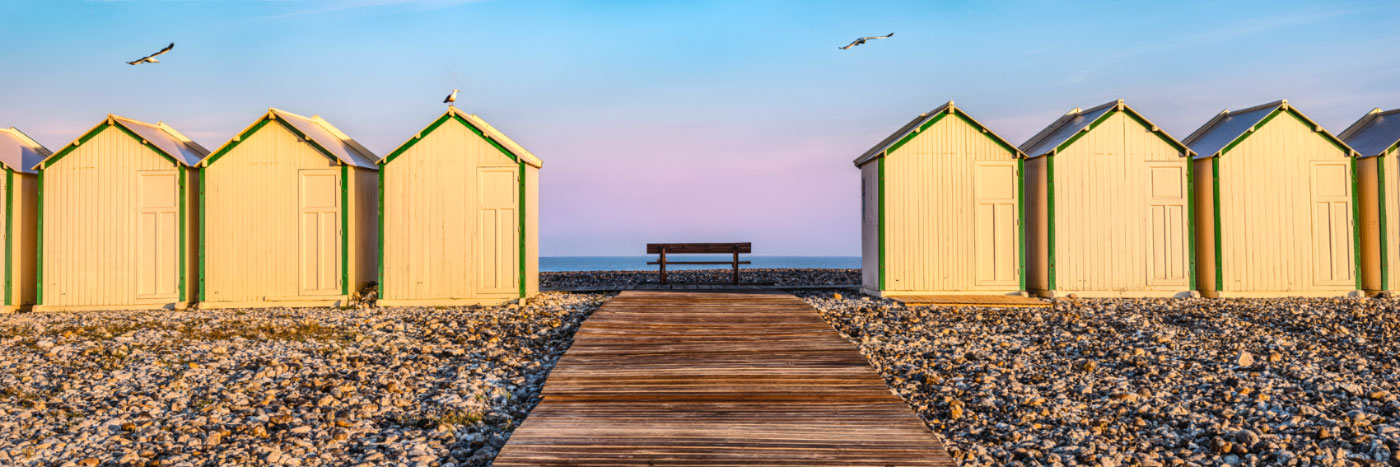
x: 451, y: 98
x: 863, y: 39
x: 152, y: 57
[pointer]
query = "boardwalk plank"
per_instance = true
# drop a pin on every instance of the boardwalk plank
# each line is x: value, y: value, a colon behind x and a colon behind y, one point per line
x: 671, y: 378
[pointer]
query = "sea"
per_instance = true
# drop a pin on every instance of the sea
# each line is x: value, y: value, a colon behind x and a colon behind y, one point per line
x: 639, y: 263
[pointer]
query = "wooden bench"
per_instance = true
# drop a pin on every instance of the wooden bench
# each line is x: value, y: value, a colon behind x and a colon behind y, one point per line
x: 699, y: 248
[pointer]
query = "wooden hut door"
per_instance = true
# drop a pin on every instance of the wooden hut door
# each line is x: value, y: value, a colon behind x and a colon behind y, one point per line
x: 1166, y: 209
x: 319, y: 248
x: 157, y: 206
x: 497, y: 248
x: 1331, y: 230
x: 995, y: 242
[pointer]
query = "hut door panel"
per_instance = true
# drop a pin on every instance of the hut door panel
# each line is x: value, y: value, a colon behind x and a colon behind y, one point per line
x: 995, y: 240
x: 497, y: 238
x: 157, y: 230
x: 1331, y: 216
x: 319, y: 232
x: 1166, y: 249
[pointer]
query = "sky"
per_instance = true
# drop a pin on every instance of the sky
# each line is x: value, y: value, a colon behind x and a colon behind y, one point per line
x: 671, y: 121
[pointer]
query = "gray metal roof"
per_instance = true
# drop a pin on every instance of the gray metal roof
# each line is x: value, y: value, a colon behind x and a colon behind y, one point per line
x: 919, y: 121
x: 1226, y: 127
x: 329, y: 138
x: 162, y: 136
x: 19, y: 152
x: 1374, y: 133
x: 1063, y: 129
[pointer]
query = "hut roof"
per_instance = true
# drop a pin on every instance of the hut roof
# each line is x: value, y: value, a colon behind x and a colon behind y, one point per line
x: 479, y: 126
x: 158, y: 136
x: 327, y: 139
x: 1228, y: 129
x: 19, y: 152
x: 1067, y: 129
x: 1375, y: 133
x: 922, y: 122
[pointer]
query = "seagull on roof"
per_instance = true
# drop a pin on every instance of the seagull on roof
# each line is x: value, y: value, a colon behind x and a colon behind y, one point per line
x: 451, y: 98
x: 863, y: 39
x: 152, y: 57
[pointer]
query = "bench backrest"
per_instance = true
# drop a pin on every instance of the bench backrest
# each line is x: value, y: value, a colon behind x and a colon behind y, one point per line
x: 695, y: 248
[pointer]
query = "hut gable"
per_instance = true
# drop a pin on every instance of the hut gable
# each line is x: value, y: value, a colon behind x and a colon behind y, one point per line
x: 159, y: 138
x: 315, y: 131
x: 1076, y: 123
x: 1230, y: 129
x: 1375, y: 134
x: 19, y: 152
x: 477, y: 125
x: 924, y: 121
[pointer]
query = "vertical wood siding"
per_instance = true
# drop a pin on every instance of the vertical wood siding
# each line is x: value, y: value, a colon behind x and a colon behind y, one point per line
x: 532, y: 230
x: 433, y: 220
x: 932, y: 188
x: 253, y: 221
x: 92, y: 224
x: 1271, y: 186
x: 1391, y: 235
x: 364, y: 234
x: 1036, y: 225
x: 1120, y: 212
x: 869, y: 226
x: 21, y: 212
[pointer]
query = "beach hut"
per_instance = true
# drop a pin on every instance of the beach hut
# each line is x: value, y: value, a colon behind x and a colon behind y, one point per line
x: 116, y: 219
x: 459, y: 216
x: 1376, y: 139
x: 941, y: 209
x: 1108, y: 210
x: 18, y: 155
x: 289, y: 216
x: 1275, y: 203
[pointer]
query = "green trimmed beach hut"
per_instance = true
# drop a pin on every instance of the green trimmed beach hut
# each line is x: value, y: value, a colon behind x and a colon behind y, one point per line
x: 1276, y: 204
x: 18, y: 155
x: 941, y: 209
x: 1108, y: 211
x: 1376, y: 139
x: 459, y: 216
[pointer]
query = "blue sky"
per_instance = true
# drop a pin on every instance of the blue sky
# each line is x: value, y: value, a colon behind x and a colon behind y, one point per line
x: 686, y: 120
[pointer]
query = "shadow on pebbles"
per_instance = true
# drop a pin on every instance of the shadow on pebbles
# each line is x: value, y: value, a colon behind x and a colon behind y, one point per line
x: 316, y: 386
x: 1143, y: 381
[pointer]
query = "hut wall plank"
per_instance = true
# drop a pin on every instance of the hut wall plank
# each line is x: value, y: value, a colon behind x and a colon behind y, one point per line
x: 26, y: 212
x: 930, y: 195
x: 1266, y: 211
x: 1392, y: 218
x: 532, y: 230
x: 870, y: 226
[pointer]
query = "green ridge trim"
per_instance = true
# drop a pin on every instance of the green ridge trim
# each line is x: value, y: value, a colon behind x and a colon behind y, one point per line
x: 1380, y: 201
x: 1160, y: 133
x: 183, y: 229
x: 237, y: 141
x: 1356, y: 222
x: 97, y: 130
x: 1050, y: 218
x: 344, y: 229
x: 203, y: 234
x: 880, y: 241
x: 521, y: 202
x: 1079, y: 134
x: 39, y: 264
x: 1021, y: 221
x: 1191, y: 223
x: 1240, y: 139
x: 434, y: 126
x: 988, y: 133
x: 1339, y: 144
x: 909, y: 137
x: 1215, y: 190
x: 381, y: 231
x: 9, y: 231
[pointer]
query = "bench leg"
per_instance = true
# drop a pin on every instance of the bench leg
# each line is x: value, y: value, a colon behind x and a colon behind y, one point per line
x: 663, y: 265
x: 736, y: 267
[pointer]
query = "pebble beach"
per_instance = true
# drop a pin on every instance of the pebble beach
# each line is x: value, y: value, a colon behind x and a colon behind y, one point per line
x: 310, y: 387
x: 1152, y: 382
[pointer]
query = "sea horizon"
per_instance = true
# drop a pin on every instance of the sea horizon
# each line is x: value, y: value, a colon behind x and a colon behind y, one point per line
x: 639, y: 262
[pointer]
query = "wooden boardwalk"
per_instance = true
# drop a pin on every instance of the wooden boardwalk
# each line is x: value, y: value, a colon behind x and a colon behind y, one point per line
x: 670, y: 378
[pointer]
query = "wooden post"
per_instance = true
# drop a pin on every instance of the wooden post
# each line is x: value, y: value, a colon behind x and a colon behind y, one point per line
x: 736, y: 265
x: 663, y: 265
